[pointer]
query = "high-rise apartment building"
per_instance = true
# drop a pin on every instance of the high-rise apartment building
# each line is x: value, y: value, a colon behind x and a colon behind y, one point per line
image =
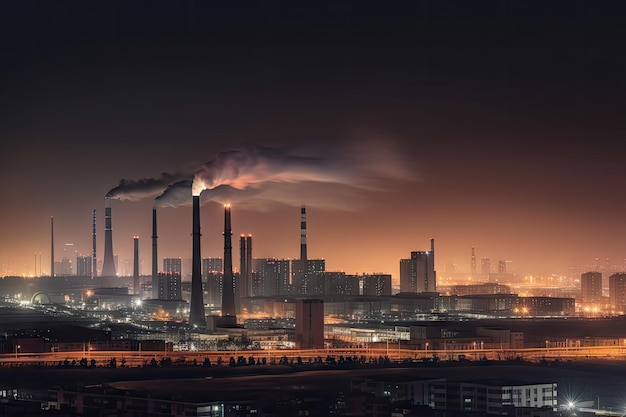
x: 617, y: 290
x: 376, y: 284
x: 405, y: 276
x: 170, y: 286
x: 270, y: 277
x: 212, y: 266
x: 485, y: 267
x: 83, y: 266
x: 591, y: 287
x: 173, y: 265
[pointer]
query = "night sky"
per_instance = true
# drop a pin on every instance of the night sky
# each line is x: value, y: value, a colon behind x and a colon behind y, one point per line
x: 494, y: 124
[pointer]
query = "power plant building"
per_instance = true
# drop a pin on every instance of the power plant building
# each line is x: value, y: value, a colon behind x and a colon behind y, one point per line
x: 417, y: 274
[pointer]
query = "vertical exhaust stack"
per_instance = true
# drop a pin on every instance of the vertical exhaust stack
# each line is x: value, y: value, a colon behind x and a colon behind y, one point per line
x: 228, y: 293
x: 51, y: 246
x: 245, y: 274
x: 473, y: 272
x: 155, y: 268
x: 300, y: 278
x: 196, y: 309
x: 108, y: 265
x: 249, y: 264
x: 243, y: 270
x: 303, y: 254
x: 136, y: 285
x: 94, y: 258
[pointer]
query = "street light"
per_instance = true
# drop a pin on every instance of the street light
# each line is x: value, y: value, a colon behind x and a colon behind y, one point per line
x: 17, y: 348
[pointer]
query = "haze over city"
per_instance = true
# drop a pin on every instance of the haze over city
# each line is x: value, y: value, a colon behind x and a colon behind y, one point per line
x: 496, y: 126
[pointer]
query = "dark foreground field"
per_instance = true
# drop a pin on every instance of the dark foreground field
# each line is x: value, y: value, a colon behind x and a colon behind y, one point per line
x: 587, y: 380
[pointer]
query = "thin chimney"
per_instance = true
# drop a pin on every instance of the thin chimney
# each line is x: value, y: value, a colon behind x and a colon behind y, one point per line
x: 196, y: 309
x: 228, y: 293
x: 51, y: 246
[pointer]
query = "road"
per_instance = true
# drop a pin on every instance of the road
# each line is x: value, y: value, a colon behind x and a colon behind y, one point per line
x: 139, y: 358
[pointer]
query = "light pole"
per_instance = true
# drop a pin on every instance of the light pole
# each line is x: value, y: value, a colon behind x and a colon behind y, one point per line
x: 17, y: 348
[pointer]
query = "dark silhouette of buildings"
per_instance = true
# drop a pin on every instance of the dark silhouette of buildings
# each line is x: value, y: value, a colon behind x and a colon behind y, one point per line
x: 417, y: 274
x: 309, y: 333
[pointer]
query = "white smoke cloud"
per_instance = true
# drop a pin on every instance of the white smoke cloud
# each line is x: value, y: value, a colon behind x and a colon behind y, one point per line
x: 256, y: 177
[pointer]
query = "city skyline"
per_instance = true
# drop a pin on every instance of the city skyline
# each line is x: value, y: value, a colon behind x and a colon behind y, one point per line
x: 491, y: 126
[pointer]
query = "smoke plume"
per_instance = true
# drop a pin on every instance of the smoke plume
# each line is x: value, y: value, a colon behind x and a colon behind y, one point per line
x: 257, y: 176
x: 134, y: 190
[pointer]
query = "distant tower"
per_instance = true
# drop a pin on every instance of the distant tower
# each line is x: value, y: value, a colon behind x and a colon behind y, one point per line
x: 303, y: 254
x: 196, y: 308
x: 301, y: 278
x: 501, y: 268
x: 51, y: 246
x: 249, y: 264
x: 243, y: 266
x: 108, y: 266
x: 136, y: 285
x: 485, y: 267
x: 473, y: 273
x: 228, y: 291
x: 94, y: 265
x: 155, y: 267
x: 245, y: 269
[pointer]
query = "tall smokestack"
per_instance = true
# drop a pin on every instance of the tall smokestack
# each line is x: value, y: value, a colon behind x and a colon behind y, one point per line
x: 473, y: 273
x: 228, y: 293
x: 155, y: 264
x: 243, y: 269
x: 51, y: 246
x: 249, y: 264
x: 245, y: 274
x: 303, y: 254
x: 136, y: 288
x: 94, y: 258
x: 196, y: 309
x: 108, y: 265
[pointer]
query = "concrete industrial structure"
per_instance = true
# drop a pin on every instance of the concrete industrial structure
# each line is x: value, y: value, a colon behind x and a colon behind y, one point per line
x: 155, y: 261
x: 228, y: 285
x: 136, y: 283
x: 417, y: 274
x: 108, y: 266
x: 196, y: 310
x: 94, y: 257
x: 309, y: 333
